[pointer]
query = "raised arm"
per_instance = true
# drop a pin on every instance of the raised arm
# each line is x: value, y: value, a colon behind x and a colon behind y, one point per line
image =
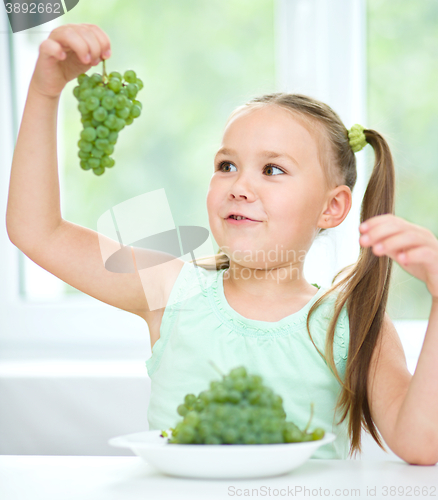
x: 33, y: 218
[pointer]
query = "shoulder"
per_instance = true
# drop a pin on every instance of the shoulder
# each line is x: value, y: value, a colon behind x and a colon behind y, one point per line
x: 187, y: 279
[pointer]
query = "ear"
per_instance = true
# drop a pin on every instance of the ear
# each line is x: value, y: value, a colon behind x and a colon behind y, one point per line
x: 338, y: 205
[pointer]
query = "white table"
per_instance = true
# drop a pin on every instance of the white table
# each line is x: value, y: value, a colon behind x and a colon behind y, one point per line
x: 35, y: 477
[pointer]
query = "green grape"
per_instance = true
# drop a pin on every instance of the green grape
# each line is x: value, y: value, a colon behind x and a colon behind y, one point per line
x: 85, y: 146
x: 121, y: 101
x: 123, y: 113
x: 113, y: 135
x: 115, y: 84
x: 182, y: 410
x: 106, y: 161
x: 135, y: 111
x: 85, y: 93
x: 92, y: 103
x: 106, y: 104
x: 139, y: 82
x: 318, y: 434
x: 111, y: 122
x: 132, y: 89
x: 97, y: 153
x: 99, y: 92
x: 96, y: 78
x: 212, y: 440
x: 239, y: 372
x: 109, y: 149
x: 100, y: 114
x: 120, y: 124
x: 85, y: 165
x: 86, y: 84
x: 94, y: 163
x: 99, y: 170
x: 130, y: 76
x: 102, y: 131
x: 82, y: 77
x: 115, y: 74
x: 83, y: 155
x: 102, y: 144
x: 86, y: 123
x: 192, y: 418
x: 224, y: 414
x: 82, y: 107
x: 88, y: 134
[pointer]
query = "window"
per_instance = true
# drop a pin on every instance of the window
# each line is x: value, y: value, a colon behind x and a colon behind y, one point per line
x: 402, y: 105
x: 198, y: 61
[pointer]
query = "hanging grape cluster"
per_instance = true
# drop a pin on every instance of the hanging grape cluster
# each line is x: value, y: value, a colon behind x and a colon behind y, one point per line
x: 107, y: 104
x: 239, y: 409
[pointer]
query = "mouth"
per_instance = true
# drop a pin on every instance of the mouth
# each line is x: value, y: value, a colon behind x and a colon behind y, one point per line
x: 239, y: 219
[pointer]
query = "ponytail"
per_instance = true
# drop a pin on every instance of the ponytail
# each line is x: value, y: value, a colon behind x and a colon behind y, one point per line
x: 365, y: 291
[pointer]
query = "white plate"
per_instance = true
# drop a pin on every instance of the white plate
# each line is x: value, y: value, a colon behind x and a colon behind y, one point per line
x: 215, y: 461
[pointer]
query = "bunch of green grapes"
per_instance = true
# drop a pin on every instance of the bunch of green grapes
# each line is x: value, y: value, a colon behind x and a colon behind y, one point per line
x: 107, y: 104
x: 239, y: 409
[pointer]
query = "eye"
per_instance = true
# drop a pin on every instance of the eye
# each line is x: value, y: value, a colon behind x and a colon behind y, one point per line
x: 223, y: 163
x: 273, y: 166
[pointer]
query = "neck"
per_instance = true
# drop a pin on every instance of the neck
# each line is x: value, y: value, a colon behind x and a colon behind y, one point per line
x: 283, y: 282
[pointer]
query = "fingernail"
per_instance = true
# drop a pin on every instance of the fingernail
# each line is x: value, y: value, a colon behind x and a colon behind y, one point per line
x: 107, y: 53
x: 363, y: 226
x: 87, y: 58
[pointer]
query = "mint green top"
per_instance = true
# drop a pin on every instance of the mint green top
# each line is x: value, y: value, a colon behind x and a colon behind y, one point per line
x: 199, y: 325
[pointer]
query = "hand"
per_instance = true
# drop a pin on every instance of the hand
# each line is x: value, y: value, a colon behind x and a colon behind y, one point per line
x: 63, y: 56
x: 413, y: 247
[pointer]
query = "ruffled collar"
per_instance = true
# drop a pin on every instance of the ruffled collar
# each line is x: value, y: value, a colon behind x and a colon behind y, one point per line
x: 253, y: 327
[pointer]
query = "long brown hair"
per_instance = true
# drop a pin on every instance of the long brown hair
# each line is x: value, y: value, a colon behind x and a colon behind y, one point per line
x: 364, y: 289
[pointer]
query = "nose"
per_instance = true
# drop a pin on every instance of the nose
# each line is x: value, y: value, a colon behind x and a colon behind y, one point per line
x: 241, y: 188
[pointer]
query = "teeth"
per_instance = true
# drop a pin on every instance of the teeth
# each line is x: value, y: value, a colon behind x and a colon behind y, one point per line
x: 238, y: 217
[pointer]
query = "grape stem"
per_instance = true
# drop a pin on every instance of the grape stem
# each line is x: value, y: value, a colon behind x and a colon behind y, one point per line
x: 216, y: 368
x: 104, y: 75
x: 311, y: 416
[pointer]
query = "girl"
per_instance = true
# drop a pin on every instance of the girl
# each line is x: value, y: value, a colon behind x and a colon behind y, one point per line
x: 286, y: 164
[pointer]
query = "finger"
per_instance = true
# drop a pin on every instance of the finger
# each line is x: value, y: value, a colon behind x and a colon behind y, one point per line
x: 51, y: 48
x: 376, y: 221
x: 395, y: 244
x: 381, y: 231
x: 104, y: 40
x: 418, y: 255
x: 92, y: 41
x: 69, y: 38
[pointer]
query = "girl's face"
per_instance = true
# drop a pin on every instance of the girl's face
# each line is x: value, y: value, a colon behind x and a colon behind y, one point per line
x: 284, y: 193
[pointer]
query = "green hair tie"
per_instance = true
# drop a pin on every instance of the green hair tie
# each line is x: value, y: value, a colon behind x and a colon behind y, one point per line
x: 357, y: 138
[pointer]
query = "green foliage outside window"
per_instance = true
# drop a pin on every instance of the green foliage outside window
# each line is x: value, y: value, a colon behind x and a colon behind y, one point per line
x: 403, y: 106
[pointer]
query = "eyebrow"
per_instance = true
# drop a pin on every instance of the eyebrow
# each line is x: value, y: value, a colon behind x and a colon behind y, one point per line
x: 266, y: 154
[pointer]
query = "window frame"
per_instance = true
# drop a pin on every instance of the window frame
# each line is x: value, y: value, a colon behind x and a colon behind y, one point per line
x: 54, y: 328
